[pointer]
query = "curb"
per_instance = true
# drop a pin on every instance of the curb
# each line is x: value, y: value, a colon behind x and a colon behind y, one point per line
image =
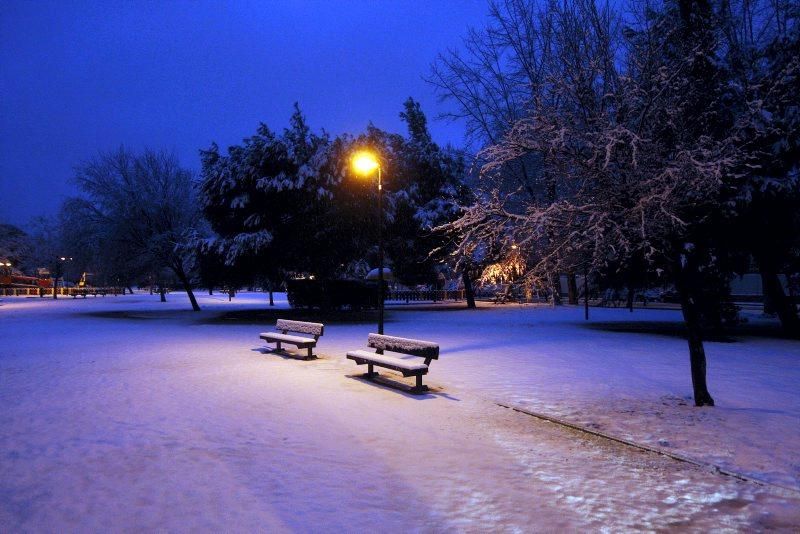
x: 678, y: 457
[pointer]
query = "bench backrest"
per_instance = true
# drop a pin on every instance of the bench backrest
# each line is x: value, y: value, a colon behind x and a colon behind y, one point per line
x: 302, y: 327
x: 413, y: 347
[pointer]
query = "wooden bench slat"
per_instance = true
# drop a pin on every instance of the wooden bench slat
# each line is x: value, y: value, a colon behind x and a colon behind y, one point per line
x: 315, y: 329
x: 413, y: 347
x: 294, y: 340
x: 387, y: 361
x: 301, y: 327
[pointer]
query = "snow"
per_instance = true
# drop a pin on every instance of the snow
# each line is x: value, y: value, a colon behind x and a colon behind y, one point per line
x: 302, y: 327
x: 402, y: 344
x: 389, y: 360
x: 129, y: 414
x: 277, y: 336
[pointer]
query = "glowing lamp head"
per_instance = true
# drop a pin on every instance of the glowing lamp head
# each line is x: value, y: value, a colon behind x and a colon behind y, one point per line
x: 365, y: 163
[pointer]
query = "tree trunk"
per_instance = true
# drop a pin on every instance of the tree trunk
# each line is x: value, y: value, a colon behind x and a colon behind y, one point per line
x: 697, y: 354
x: 130, y: 290
x: 630, y: 298
x: 210, y: 290
x: 55, y: 288
x: 779, y: 302
x: 271, y: 297
x: 572, y: 288
x: 555, y: 284
x: 585, y: 295
x: 163, y: 292
x: 187, y: 287
x: 469, y: 292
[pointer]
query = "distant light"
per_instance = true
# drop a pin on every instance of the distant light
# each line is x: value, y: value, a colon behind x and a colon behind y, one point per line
x: 63, y: 258
x: 514, y: 247
x: 365, y: 162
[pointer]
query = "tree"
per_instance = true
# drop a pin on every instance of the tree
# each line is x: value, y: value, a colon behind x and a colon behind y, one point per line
x: 637, y: 143
x: 425, y: 189
x: 14, y: 246
x: 140, y: 211
x: 279, y: 204
x: 48, y: 251
x: 288, y: 204
x: 761, y: 40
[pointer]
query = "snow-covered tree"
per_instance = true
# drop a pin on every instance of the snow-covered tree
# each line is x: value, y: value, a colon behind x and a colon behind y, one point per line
x: 761, y: 40
x: 280, y: 204
x: 288, y: 203
x: 638, y: 149
x: 424, y: 185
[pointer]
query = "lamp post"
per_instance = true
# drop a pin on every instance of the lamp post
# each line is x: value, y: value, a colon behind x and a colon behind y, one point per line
x: 364, y: 163
x: 59, y: 273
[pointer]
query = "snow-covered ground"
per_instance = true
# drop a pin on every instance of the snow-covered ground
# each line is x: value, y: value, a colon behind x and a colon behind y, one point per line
x: 628, y: 374
x: 128, y: 414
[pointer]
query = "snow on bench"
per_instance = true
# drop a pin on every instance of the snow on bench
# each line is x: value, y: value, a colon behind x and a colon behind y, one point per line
x: 299, y: 327
x: 401, y: 345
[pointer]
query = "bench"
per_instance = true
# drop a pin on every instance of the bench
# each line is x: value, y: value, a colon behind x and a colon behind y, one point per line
x: 83, y: 292
x: 509, y: 294
x: 400, y: 345
x: 299, y: 327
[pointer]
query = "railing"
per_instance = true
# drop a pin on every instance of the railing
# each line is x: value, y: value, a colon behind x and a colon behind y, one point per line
x: 64, y: 291
x: 425, y: 295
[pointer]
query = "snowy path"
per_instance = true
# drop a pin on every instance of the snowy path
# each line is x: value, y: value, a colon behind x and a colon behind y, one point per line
x: 155, y: 419
x: 613, y: 375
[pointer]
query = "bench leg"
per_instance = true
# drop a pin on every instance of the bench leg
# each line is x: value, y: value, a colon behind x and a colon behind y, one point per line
x: 420, y: 387
x: 310, y: 354
x: 277, y: 345
x: 370, y: 371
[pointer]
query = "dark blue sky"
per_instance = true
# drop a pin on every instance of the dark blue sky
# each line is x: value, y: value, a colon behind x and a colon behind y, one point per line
x: 80, y: 77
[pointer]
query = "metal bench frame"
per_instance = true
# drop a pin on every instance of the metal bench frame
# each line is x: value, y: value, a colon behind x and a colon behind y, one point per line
x: 412, y: 347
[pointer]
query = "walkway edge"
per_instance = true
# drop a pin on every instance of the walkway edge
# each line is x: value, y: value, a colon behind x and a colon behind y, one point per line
x: 793, y: 492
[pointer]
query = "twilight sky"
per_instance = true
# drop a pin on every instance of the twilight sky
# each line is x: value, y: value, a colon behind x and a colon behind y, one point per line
x: 81, y: 77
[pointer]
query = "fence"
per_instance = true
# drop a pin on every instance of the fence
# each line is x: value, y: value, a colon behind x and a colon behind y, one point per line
x: 425, y: 295
x: 64, y: 291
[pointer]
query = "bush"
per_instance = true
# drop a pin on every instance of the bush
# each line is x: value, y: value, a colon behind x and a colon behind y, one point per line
x: 333, y: 294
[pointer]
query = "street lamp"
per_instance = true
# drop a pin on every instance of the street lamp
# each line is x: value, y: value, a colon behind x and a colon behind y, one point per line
x: 59, y: 272
x: 364, y: 163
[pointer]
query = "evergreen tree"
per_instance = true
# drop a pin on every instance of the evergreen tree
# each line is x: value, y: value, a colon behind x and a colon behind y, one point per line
x: 279, y: 204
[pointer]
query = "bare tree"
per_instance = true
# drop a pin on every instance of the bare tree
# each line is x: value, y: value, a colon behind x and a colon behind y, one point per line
x: 141, y: 212
x: 636, y: 151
